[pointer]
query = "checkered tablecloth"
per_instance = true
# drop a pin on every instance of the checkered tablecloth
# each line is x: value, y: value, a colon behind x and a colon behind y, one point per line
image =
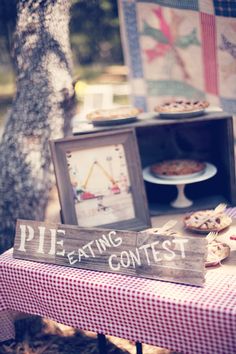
x: 179, y: 317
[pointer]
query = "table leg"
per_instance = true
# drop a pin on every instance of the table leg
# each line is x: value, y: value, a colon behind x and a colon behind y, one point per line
x: 61, y: 217
x: 139, y: 349
x: 102, y: 344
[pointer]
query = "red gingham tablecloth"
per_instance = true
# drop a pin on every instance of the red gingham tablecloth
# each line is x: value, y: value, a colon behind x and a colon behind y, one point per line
x: 174, y: 316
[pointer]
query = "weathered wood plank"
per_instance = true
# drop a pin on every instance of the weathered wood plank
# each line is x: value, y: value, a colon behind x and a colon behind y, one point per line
x: 140, y: 254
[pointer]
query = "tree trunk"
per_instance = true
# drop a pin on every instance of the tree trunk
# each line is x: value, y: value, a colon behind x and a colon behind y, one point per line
x: 41, y: 111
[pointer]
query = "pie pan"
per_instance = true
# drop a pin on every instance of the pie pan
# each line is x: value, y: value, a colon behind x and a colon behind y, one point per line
x: 113, y: 121
x: 187, y: 114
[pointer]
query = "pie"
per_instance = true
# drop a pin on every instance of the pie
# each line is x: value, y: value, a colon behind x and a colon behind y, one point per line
x: 182, y: 105
x: 207, y: 220
x: 216, y: 252
x: 113, y: 113
x: 178, y: 167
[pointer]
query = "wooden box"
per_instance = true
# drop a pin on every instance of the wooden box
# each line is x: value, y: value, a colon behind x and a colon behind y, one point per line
x: 208, y: 138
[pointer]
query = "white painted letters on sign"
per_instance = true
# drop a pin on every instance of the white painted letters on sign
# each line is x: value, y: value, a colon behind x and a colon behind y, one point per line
x: 177, y: 259
x: 27, y: 234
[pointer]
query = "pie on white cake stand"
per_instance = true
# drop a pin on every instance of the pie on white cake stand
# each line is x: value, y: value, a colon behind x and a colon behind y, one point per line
x: 180, y: 182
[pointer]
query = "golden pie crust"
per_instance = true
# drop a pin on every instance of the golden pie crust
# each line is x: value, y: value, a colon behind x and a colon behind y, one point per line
x: 182, y: 105
x: 178, y: 167
x: 113, y: 113
x: 207, y: 220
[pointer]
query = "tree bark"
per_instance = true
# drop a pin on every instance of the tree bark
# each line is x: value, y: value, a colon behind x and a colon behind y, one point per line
x: 42, y: 110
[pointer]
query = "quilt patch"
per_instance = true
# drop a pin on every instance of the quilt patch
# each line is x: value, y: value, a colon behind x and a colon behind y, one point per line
x: 180, y: 49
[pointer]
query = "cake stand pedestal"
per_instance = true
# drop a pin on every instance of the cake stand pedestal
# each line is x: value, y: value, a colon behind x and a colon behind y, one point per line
x: 181, y: 201
x: 180, y: 182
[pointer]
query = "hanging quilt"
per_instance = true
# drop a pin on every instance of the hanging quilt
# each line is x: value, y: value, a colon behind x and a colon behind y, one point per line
x: 181, y: 49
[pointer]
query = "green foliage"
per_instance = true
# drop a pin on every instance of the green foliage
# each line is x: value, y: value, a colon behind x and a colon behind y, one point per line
x: 7, y: 26
x: 94, y: 28
x: 95, y: 36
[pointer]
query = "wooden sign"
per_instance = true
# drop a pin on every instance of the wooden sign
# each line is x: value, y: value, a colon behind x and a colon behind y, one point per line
x: 140, y: 254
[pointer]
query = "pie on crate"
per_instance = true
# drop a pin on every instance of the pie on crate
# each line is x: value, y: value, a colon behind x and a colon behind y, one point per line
x: 181, y: 106
x: 122, y: 112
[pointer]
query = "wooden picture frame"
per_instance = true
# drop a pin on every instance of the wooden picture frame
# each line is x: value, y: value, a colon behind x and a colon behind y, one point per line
x: 99, y: 180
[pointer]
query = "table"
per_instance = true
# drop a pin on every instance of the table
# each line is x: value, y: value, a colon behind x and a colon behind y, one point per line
x: 179, y: 317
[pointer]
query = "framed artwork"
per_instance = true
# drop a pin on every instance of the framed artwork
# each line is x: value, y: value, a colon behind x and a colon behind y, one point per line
x: 99, y: 180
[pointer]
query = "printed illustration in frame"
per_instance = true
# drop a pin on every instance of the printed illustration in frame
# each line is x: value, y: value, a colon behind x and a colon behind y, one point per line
x: 99, y: 180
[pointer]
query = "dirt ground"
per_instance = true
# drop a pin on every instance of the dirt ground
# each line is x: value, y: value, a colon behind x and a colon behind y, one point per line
x: 41, y: 336
x: 35, y: 335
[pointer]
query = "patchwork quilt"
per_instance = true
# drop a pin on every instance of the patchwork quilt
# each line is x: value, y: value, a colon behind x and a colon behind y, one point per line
x: 181, y: 49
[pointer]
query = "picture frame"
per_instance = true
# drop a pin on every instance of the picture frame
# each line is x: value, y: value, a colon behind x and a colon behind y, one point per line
x: 99, y: 180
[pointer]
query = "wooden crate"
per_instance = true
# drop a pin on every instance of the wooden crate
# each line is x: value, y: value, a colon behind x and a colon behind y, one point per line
x: 208, y: 138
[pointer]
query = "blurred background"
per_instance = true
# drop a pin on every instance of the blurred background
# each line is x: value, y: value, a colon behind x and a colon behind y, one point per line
x: 100, y: 75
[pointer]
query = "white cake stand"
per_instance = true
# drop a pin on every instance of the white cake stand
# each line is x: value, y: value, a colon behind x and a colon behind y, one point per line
x: 181, y: 201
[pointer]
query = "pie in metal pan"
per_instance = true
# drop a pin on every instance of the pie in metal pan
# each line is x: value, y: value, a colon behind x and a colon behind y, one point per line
x: 182, y: 108
x: 113, y: 116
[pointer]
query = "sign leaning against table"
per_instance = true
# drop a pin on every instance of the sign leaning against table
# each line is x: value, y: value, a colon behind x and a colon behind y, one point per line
x: 140, y: 254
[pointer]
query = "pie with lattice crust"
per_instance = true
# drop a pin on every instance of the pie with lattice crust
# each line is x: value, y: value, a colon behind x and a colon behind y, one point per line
x: 182, y: 106
x: 207, y: 220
